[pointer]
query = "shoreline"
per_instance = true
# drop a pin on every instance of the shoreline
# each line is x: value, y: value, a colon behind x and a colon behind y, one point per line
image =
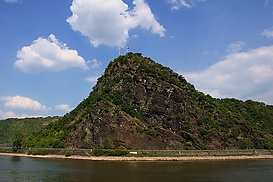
x: 132, y: 158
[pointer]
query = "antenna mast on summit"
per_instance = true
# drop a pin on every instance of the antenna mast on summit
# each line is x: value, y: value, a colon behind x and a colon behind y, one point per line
x: 127, y: 49
x: 119, y: 50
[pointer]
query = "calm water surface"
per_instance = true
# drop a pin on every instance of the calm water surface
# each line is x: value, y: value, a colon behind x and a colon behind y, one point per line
x: 35, y: 169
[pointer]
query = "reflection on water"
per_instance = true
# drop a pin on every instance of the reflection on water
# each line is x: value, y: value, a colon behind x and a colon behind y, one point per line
x: 15, y: 159
x: 34, y: 169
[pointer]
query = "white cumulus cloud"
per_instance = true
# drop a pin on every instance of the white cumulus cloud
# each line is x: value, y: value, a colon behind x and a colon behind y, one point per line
x: 9, y: 114
x: 94, y: 63
x: 63, y: 107
x: 12, y: 1
x: 30, y: 116
x: 108, y: 22
x: 177, y: 4
x: 48, y: 54
x: 142, y: 16
x: 268, y: 33
x: 244, y: 75
x: 92, y: 79
x: 235, y: 47
x: 19, y: 102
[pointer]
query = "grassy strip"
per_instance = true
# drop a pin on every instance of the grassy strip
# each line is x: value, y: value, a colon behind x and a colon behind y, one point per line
x: 6, y: 150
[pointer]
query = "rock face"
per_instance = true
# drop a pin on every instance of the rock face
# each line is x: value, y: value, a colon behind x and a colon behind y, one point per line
x: 139, y: 104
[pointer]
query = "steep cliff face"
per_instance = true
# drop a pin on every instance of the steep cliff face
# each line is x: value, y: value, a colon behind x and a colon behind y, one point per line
x: 139, y: 104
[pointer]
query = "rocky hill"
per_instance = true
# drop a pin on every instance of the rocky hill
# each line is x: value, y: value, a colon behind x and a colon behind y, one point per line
x: 139, y: 104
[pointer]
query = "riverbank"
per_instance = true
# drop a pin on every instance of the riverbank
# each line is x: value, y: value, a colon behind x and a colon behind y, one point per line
x: 131, y: 158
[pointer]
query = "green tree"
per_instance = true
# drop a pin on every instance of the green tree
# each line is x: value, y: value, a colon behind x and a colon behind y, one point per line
x: 17, y: 141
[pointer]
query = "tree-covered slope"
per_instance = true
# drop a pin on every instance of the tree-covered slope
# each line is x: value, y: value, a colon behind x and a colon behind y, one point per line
x: 139, y: 104
x: 24, y: 127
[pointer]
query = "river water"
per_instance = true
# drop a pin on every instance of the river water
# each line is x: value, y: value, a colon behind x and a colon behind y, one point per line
x: 38, y: 169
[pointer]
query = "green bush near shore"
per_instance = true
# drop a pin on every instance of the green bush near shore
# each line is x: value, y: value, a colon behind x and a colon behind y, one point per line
x: 37, y: 151
x: 67, y: 153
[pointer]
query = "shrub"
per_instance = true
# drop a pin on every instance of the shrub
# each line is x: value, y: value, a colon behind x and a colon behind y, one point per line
x: 148, y: 131
x: 106, y: 144
x: 245, y: 143
x: 116, y: 152
x: 38, y: 151
x: 129, y: 109
x: 98, y: 152
x: 203, y: 132
x: 102, y: 152
x: 265, y: 144
x: 67, y: 153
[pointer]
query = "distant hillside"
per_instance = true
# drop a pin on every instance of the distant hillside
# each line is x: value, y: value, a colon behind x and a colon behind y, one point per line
x: 9, y: 127
x: 139, y: 104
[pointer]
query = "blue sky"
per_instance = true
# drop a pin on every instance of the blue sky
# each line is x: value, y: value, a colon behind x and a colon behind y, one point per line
x: 52, y: 52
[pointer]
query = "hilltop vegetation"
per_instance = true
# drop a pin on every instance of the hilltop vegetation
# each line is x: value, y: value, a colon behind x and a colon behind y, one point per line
x: 140, y: 104
x: 10, y: 128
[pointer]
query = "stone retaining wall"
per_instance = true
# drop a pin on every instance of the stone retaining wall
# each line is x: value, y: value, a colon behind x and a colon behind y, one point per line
x: 207, y: 152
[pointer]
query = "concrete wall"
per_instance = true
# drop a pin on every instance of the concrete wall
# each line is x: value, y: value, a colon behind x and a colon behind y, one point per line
x: 207, y: 152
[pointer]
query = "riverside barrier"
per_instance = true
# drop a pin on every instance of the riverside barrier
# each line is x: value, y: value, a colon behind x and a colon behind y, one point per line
x: 86, y: 152
x: 208, y: 152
